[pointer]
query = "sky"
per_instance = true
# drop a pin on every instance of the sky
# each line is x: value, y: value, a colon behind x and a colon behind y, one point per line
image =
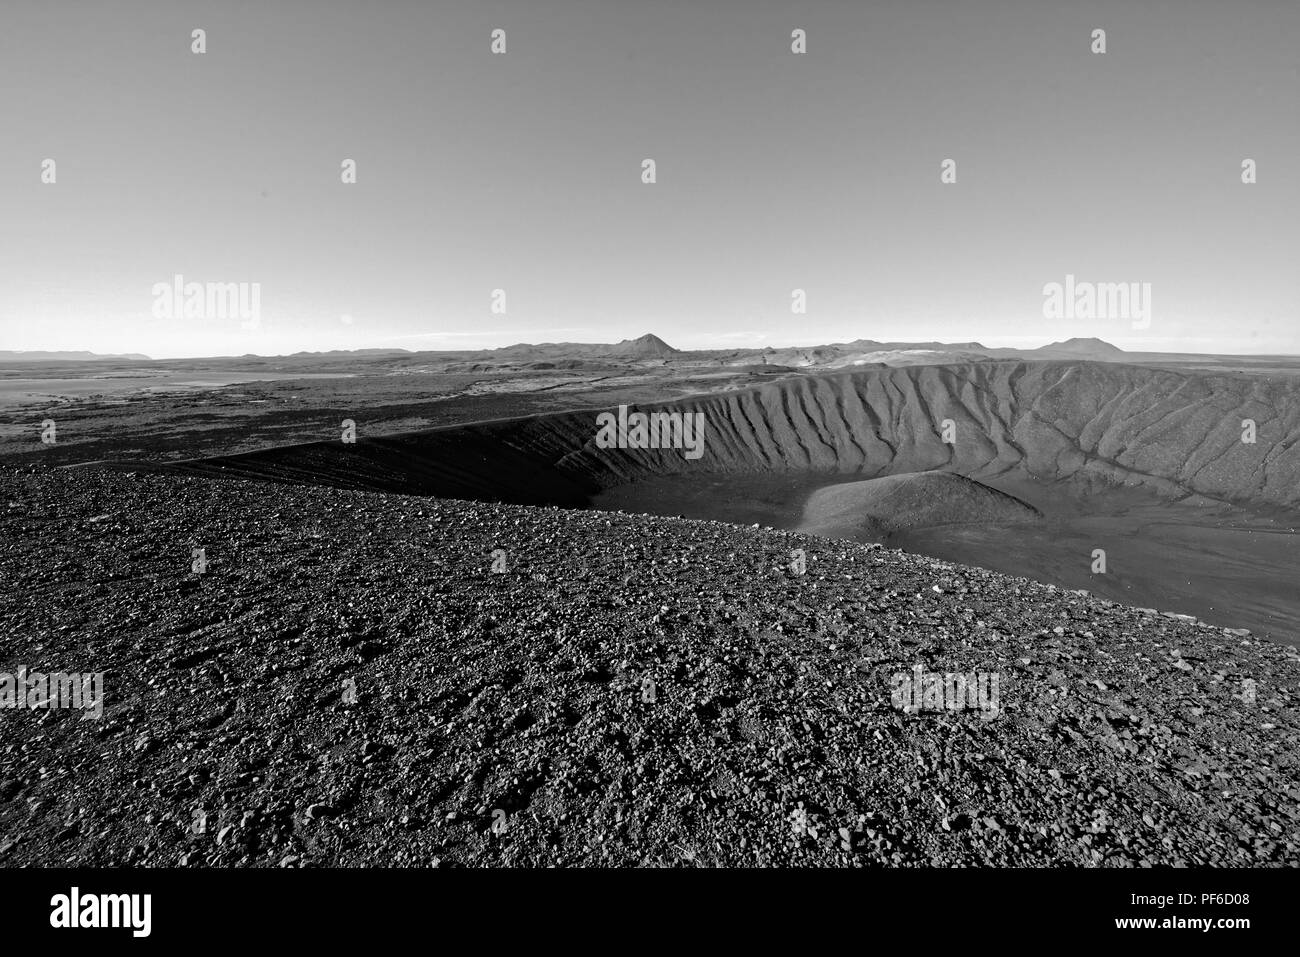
x: 522, y: 172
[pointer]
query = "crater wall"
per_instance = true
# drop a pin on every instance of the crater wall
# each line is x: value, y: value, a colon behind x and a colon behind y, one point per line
x: 1179, y: 434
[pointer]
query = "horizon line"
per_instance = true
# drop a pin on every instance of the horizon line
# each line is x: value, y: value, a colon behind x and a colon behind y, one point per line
x: 897, y: 345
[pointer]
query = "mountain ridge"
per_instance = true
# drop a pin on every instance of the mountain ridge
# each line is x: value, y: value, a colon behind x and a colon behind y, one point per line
x: 41, y: 355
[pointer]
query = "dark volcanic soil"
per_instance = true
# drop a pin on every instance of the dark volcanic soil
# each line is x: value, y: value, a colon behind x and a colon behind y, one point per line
x: 1125, y: 737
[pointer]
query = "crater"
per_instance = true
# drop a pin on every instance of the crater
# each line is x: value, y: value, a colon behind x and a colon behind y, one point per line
x: 1027, y: 467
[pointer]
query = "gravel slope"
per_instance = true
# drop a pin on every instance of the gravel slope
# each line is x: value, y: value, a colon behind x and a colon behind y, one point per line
x: 1124, y: 737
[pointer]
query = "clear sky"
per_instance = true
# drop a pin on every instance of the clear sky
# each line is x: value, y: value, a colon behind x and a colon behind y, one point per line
x: 522, y: 171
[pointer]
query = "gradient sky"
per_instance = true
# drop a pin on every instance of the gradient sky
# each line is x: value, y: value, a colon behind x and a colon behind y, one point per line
x: 775, y: 171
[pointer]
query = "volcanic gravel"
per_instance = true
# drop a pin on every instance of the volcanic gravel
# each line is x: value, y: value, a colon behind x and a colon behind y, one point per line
x: 349, y: 682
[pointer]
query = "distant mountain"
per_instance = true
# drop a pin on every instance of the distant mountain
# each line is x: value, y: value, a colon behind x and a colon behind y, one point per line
x: 355, y: 352
x: 648, y: 346
x: 7, y: 355
x: 871, y: 345
x: 1091, y: 348
x: 864, y: 352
